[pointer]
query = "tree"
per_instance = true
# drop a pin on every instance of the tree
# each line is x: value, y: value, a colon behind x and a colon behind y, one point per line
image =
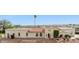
x: 35, y: 16
x: 17, y: 26
x: 6, y: 24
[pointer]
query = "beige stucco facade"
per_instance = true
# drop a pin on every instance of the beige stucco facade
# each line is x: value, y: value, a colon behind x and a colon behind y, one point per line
x: 24, y: 33
x: 38, y: 32
x: 50, y: 31
x: 67, y: 31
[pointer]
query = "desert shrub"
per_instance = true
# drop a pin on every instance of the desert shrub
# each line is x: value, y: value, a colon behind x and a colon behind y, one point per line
x: 60, y: 35
x: 67, y: 36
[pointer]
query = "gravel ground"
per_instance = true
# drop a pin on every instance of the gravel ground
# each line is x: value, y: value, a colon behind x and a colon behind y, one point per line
x: 37, y: 41
x: 27, y: 41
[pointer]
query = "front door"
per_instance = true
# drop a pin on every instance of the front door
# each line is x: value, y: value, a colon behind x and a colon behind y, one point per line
x: 13, y: 36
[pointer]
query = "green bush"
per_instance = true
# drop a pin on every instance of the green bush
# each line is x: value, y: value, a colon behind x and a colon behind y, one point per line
x: 56, y: 33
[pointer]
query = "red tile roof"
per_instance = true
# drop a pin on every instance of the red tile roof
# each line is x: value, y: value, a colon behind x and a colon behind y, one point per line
x: 36, y: 30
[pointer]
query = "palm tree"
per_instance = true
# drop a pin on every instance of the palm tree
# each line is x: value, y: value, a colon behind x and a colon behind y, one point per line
x: 35, y: 20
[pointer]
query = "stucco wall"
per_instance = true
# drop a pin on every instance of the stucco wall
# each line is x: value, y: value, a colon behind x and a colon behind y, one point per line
x: 23, y: 34
x: 70, y: 31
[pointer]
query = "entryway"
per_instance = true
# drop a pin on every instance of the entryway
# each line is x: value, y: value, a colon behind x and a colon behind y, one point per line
x: 49, y: 36
x: 13, y: 36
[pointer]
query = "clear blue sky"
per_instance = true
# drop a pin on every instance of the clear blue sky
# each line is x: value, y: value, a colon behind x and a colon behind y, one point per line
x: 42, y: 19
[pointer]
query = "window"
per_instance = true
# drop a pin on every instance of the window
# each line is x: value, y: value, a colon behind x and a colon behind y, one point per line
x: 40, y: 34
x: 36, y: 34
x: 18, y: 34
x: 26, y: 34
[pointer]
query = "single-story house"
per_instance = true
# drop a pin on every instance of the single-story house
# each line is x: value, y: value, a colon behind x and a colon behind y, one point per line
x: 25, y: 33
x: 43, y: 32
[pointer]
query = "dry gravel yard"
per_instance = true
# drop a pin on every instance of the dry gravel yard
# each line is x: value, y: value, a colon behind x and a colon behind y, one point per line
x: 37, y: 41
x: 27, y: 41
